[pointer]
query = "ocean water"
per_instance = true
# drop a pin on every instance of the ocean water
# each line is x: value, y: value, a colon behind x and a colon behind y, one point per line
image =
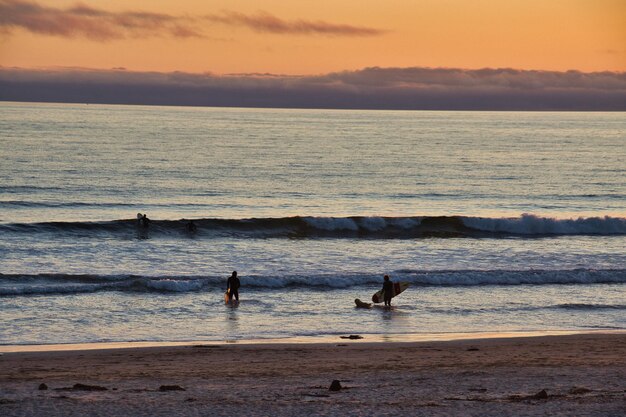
x: 501, y: 221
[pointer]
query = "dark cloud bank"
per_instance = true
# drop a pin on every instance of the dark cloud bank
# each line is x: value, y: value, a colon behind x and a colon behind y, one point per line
x: 370, y: 88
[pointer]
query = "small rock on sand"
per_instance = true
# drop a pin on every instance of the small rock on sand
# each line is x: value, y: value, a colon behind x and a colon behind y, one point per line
x: 335, y: 385
x: 171, y: 388
x: 42, y: 387
x: 85, y: 387
x: 81, y: 387
x: 541, y: 395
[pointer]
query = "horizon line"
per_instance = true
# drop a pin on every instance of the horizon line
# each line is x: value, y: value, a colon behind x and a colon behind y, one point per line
x: 234, y: 107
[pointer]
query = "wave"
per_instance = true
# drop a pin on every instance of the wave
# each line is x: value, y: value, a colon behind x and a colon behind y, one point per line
x: 57, y: 204
x: 24, y: 284
x: 526, y: 225
x: 526, y: 308
x: 586, y: 306
x: 80, y: 204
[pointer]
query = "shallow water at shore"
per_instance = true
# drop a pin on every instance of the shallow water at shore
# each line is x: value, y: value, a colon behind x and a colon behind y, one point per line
x: 294, y: 312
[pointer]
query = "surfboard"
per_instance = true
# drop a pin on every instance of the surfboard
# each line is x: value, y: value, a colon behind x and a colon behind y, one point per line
x: 226, y: 298
x: 398, y: 287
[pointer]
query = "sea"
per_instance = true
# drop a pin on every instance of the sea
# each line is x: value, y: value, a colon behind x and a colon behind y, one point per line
x: 500, y: 221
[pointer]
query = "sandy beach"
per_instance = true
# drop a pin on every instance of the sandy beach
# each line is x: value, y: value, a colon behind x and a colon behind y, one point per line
x: 580, y: 375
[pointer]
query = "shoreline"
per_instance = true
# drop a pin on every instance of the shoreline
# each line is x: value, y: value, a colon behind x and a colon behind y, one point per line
x: 557, y: 375
x: 305, y: 340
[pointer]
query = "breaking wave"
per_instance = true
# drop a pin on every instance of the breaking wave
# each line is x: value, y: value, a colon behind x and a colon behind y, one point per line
x: 16, y: 285
x: 586, y: 306
x: 526, y: 225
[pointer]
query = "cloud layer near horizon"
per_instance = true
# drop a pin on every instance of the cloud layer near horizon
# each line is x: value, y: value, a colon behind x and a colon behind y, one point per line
x: 101, y: 25
x: 370, y: 88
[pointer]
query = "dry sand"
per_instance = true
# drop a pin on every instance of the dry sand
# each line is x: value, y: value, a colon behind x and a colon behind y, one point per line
x: 582, y: 375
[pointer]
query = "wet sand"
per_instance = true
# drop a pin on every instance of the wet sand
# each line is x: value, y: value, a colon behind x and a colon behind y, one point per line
x: 583, y: 374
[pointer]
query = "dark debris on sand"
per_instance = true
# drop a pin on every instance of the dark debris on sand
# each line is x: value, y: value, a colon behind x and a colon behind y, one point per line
x: 335, y: 386
x: 164, y: 388
x: 579, y: 390
x: 82, y: 387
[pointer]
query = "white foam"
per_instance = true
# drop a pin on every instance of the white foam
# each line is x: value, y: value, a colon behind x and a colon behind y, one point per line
x: 373, y: 224
x: 405, y: 222
x: 531, y: 277
x: 330, y: 281
x: 55, y: 289
x: 529, y: 224
x: 175, y: 285
x: 447, y: 278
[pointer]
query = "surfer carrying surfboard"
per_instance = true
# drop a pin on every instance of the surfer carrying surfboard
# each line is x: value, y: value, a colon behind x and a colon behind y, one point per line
x: 390, y: 290
x: 232, y: 287
x: 387, y: 291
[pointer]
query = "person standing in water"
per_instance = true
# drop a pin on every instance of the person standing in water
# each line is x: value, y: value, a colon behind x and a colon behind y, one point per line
x: 145, y: 221
x: 191, y: 227
x: 387, y: 291
x: 232, y: 287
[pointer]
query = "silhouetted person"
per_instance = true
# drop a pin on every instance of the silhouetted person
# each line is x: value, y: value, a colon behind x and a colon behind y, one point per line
x: 387, y: 291
x: 145, y: 221
x: 139, y: 217
x: 232, y: 287
x: 361, y: 304
x: 191, y: 227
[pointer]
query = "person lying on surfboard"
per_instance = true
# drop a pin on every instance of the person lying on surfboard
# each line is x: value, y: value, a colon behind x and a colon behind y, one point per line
x: 232, y: 287
x: 361, y: 304
x: 387, y: 290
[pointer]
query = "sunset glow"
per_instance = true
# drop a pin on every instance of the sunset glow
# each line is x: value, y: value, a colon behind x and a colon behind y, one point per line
x: 305, y: 37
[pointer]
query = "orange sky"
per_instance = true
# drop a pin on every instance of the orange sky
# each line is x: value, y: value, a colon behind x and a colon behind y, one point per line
x: 587, y: 35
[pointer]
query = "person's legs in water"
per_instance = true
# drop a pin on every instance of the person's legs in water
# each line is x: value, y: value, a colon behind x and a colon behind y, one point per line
x: 234, y: 293
x: 387, y: 301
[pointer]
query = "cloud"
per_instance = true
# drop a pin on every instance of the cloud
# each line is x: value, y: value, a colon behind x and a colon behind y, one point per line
x: 370, y: 88
x: 94, y: 24
x: 102, y: 25
x: 265, y: 22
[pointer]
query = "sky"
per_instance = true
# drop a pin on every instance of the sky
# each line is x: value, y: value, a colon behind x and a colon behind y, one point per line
x: 255, y: 41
